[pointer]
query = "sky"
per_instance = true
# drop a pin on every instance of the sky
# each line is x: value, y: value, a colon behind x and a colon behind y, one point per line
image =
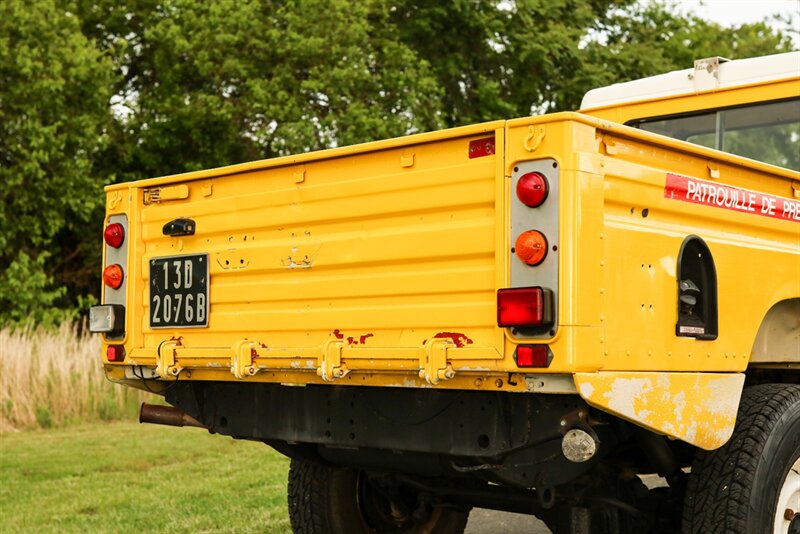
x: 733, y: 12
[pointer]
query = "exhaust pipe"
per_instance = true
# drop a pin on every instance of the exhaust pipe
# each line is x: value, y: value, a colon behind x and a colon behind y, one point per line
x: 166, y: 415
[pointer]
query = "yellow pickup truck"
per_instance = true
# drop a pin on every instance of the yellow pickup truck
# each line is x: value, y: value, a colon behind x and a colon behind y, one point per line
x: 524, y: 315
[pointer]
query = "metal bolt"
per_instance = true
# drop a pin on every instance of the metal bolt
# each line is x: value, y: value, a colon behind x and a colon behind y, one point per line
x: 789, y: 514
x: 563, y: 423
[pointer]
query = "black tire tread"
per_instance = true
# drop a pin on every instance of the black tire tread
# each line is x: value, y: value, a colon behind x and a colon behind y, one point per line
x: 720, y: 486
x: 305, y: 494
x: 322, y: 500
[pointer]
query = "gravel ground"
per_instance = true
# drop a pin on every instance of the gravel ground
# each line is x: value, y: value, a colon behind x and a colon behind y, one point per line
x: 483, y: 521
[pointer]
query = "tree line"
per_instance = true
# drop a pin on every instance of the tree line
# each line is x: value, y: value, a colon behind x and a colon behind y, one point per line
x: 94, y: 92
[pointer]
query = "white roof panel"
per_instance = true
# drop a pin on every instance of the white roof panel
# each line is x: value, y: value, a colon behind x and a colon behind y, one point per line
x: 704, y: 77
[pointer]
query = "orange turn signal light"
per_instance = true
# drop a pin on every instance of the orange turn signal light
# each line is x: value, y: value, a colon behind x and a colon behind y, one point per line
x: 531, y: 247
x: 113, y: 276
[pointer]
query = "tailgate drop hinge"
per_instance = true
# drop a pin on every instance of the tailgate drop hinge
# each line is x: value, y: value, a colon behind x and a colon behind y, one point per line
x: 433, y: 365
x: 242, y: 364
x: 330, y: 364
x: 166, y: 365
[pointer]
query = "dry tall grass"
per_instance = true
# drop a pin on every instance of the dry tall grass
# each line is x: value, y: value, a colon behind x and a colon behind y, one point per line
x: 52, y: 378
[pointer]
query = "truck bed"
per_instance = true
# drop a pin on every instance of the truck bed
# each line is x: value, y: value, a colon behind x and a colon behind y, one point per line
x: 379, y: 264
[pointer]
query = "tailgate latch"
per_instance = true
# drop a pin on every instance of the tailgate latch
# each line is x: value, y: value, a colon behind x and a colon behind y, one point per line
x: 330, y: 365
x: 433, y: 365
x: 242, y: 364
x: 166, y: 365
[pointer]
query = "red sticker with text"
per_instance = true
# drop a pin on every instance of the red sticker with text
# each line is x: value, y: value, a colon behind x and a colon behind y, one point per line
x: 731, y: 198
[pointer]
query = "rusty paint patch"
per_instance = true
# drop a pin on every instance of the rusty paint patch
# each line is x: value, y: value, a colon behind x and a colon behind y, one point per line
x: 458, y: 339
x: 351, y: 340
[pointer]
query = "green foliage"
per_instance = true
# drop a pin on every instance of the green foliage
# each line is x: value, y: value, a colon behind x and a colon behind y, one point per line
x: 97, y: 91
x: 640, y: 41
x: 498, y: 61
x: 54, y: 89
x: 25, y: 285
x: 44, y: 418
x: 209, y: 84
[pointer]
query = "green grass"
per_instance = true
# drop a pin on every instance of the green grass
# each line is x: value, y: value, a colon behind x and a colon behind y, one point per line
x: 126, y: 477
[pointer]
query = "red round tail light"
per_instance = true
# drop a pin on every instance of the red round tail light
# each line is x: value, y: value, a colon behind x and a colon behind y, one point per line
x: 113, y: 276
x: 531, y: 247
x: 532, y: 189
x: 114, y: 235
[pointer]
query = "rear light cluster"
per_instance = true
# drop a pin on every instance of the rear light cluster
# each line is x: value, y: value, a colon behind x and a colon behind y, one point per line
x: 528, y: 307
x: 109, y: 317
x: 114, y: 236
x: 531, y: 245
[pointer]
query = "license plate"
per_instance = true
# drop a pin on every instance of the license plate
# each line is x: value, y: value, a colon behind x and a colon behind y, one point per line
x: 179, y: 291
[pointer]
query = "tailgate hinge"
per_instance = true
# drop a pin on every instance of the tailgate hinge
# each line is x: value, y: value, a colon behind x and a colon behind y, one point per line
x: 166, y: 366
x: 433, y: 365
x: 330, y: 362
x: 242, y: 364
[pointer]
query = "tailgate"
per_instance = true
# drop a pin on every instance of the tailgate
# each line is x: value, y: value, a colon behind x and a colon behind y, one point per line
x: 382, y: 257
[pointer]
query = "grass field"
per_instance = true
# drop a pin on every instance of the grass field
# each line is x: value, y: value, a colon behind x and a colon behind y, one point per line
x: 126, y: 477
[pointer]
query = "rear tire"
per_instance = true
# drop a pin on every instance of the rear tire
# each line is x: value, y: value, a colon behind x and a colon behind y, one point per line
x: 329, y: 500
x: 736, y: 489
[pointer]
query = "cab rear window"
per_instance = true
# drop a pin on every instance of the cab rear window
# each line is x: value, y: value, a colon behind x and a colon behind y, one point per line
x: 768, y: 132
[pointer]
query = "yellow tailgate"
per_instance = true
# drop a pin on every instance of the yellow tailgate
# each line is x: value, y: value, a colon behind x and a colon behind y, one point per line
x: 383, y: 256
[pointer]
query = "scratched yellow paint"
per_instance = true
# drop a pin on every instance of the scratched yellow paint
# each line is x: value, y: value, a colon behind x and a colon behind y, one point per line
x: 698, y: 408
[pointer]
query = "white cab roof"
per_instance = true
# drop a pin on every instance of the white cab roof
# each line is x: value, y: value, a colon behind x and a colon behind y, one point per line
x: 708, y: 74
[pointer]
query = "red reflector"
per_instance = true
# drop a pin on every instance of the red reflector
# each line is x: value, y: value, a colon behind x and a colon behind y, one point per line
x: 532, y: 356
x: 115, y: 353
x: 481, y: 147
x: 522, y: 306
x: 114, y: 235
x: 112, y: 276
x: 532, y: 189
